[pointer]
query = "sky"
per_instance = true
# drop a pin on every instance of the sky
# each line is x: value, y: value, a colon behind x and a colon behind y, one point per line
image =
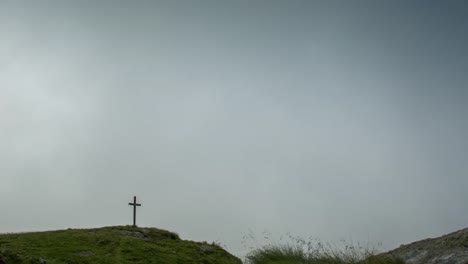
x: 325, y: 119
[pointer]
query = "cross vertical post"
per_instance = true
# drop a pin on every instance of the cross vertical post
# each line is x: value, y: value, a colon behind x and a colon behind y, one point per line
x: 134, y: 204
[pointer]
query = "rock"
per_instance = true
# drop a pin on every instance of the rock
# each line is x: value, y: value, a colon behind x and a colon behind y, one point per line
x: 205, y: 248
x: 41, y: 260
x: 447, y: 249
x: 129, y: 233
x: 84, y: 253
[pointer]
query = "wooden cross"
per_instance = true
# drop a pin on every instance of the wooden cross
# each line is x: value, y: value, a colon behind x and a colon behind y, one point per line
x: 135, y: 204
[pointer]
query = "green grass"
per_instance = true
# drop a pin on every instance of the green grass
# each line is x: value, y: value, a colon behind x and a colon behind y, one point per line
x: 119, y: 244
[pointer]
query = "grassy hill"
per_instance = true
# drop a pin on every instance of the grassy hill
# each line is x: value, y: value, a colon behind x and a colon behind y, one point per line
x: 117, y: 244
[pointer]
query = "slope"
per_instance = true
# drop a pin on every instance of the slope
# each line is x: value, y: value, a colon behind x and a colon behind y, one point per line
x: 448, y: 249
x: 118, y: 244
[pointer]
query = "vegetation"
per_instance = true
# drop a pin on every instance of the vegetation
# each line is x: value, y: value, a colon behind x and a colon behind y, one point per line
x: 119, y: 244
x: 126, y: 244
x: 287, y: 254
x: 300, y: 251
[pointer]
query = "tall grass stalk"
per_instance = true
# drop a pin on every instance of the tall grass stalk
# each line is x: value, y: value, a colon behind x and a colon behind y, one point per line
x: 316, y: 252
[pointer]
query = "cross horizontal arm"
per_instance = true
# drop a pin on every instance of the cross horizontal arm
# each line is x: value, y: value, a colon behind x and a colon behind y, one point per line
x: 134, y: 204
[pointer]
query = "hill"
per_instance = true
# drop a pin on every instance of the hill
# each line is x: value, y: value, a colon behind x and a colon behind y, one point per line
x: 448, y: 249
x: 118, y: 244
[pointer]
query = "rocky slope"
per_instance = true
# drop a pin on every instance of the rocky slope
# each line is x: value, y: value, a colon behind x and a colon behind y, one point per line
x: 448, y: 249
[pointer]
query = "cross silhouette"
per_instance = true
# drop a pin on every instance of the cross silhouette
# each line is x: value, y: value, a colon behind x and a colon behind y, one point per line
x: 135, y: 204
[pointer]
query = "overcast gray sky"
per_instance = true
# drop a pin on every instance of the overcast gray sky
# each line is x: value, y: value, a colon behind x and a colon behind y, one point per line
x: 331, y: 119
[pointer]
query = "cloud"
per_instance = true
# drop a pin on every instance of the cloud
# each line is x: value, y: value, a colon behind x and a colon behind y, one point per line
x: 222, y: 118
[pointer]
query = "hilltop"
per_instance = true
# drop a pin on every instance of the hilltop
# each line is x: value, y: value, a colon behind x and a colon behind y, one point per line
x: 117, y: 244
x: 448, y: 249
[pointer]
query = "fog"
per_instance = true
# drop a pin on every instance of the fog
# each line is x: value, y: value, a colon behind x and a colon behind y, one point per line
x: 331, y: 119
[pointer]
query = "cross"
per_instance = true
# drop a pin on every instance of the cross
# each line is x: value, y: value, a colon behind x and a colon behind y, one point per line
x: 135, y: 204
